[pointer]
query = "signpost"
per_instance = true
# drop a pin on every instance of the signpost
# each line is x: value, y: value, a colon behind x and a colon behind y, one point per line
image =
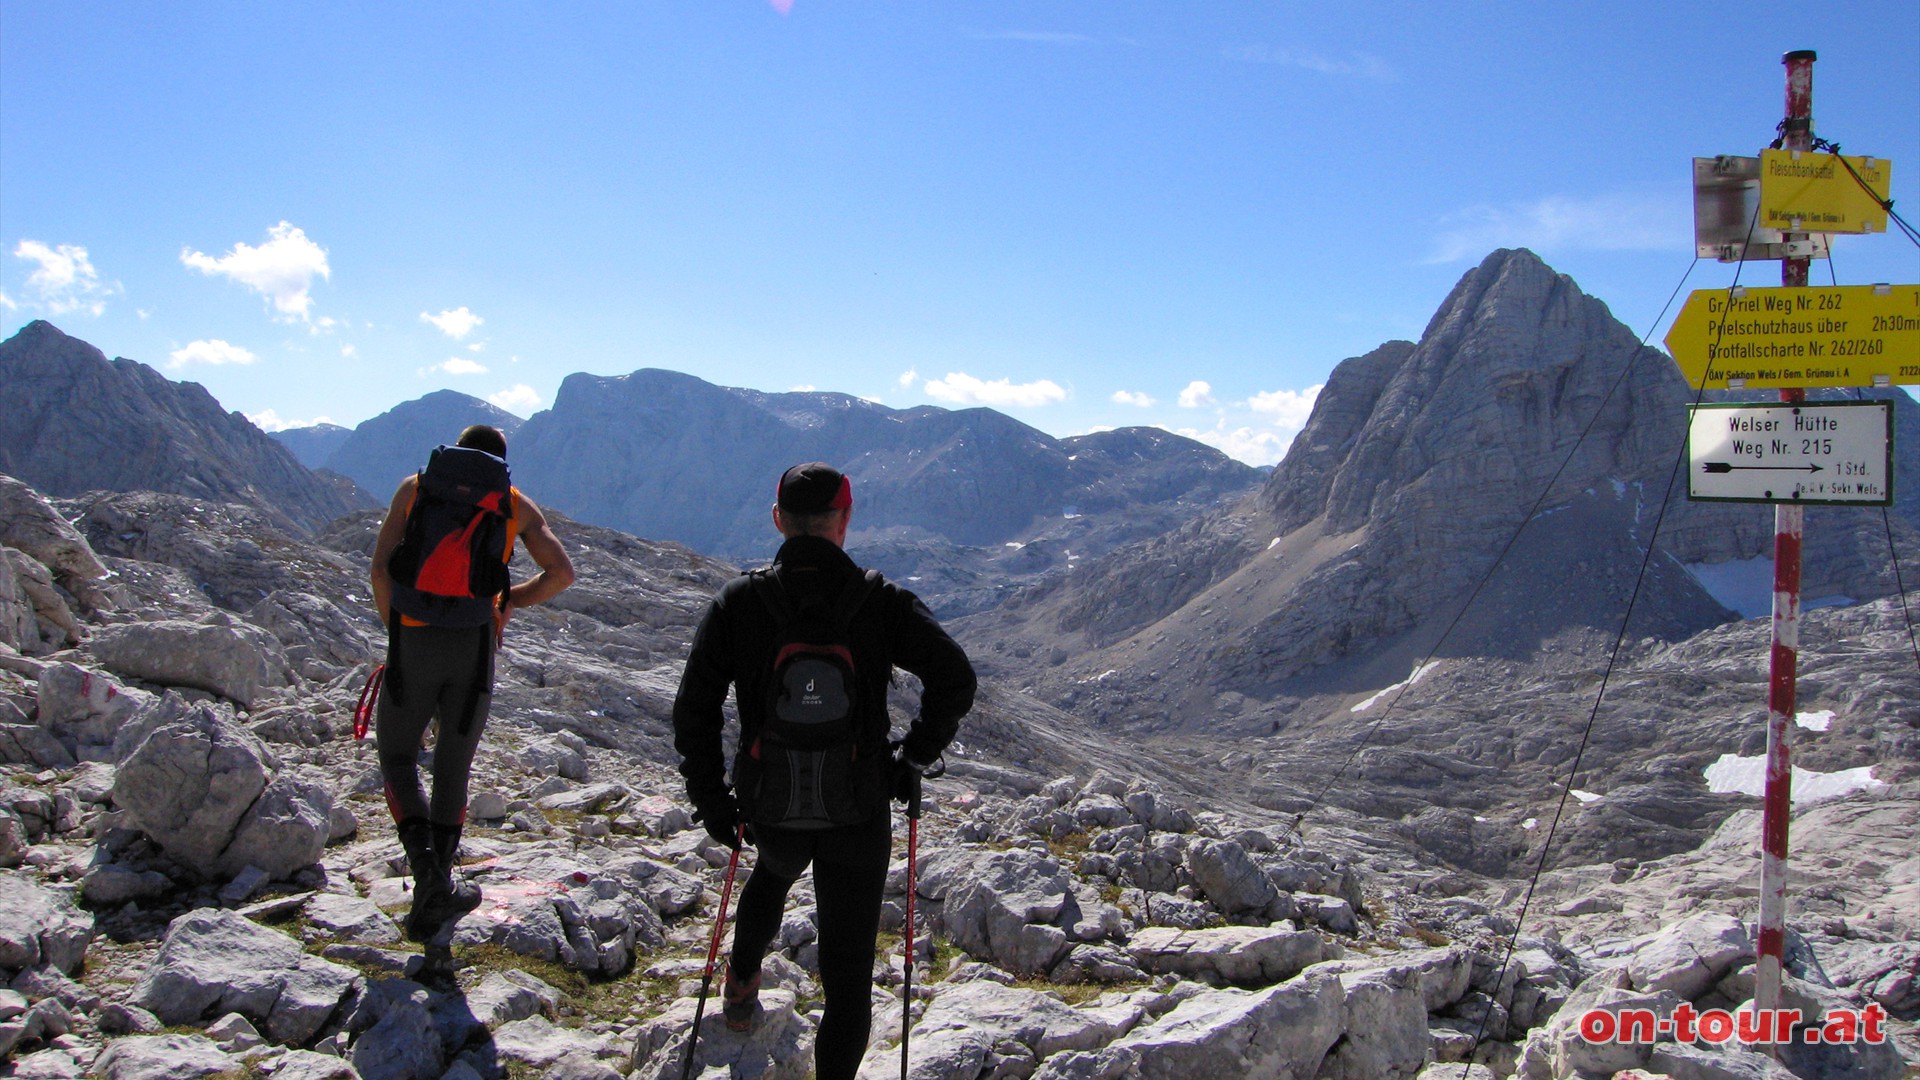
x: 1726, y: 215
x: 1785, y: 205
x: 1806, y: 192
x: 1837, y: 453
x: 1845, y: 335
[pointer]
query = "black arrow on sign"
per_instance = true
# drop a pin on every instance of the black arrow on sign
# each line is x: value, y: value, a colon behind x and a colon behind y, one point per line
x: 1728, y: 466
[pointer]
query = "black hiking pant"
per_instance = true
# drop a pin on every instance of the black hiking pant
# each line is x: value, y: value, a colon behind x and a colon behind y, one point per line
x: 433, y: 672
x: 849, y: 874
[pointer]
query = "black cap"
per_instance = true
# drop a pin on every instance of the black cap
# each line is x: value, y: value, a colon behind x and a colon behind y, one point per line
x: 814, y: 488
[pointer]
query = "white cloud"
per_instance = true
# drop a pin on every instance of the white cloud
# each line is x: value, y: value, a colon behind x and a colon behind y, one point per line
x: 349, y: 351
x: 209, y: 351
x: 6, y: 302
x: 459, y: 365
x: 1615, y: 222
x: 1287, y: 408
x: 1364, y: 65
x: 804, y: 388
x: 65, y: 281
x: 456, y: 323
x: 964, y: 389
x: 1255, y: 446
x: 1197, y: 395
x: 520, y: 399
x: 1257, y: 431
x: 268, y: 420
x: 1130, y: 397
x: 282, y: 269
x: 909, y: 376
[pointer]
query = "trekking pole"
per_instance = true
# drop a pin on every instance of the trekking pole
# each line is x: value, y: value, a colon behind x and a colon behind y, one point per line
x: 713, y: 951
x: 913, y: 858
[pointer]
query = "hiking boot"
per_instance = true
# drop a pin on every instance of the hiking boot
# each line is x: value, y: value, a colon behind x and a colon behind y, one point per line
x: 461, y: 895
x: 436, y: 898
x: 740, y: 1000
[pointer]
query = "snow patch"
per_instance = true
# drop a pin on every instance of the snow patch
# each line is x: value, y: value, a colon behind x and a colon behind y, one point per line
x: 1815, y: 721
x: 1273, y: 543
x: 1587, y: 796
x: 1530, y: 823
x: 1736, y: 775
x: 1418, y: 674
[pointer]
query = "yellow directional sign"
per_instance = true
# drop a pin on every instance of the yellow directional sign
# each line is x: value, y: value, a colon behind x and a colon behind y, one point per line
x: 1801, y: 191
x: 1846, y: 335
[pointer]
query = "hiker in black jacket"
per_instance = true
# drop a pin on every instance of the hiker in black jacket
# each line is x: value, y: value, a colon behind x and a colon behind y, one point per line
x: 888, y: 627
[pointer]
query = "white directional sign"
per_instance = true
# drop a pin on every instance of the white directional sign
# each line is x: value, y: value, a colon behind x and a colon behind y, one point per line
x: 1814, y: 452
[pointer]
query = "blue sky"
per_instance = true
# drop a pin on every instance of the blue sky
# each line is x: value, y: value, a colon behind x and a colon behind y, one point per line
x: 1086, y: 215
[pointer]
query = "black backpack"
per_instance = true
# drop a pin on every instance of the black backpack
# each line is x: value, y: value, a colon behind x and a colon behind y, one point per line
x: 450, y: 567
x: 803, y: 768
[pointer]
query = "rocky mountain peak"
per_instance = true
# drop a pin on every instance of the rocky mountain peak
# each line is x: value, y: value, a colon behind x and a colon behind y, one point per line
x: 78, y: 422
x: 1482, y: 410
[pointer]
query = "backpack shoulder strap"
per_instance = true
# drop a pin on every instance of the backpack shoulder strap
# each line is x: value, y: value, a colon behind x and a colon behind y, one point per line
x: 852, y: 597
x: 772, y: 594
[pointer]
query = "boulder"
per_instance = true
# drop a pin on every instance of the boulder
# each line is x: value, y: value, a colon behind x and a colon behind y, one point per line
x: 284, y: 831
x: 111, y: 884
x: 1000, y: 907
x: 777, y: 1048
x: 1385, y: 1018
x: 164, y: 1057
x: 970, y: 1024
x: 40, y: 616
x: 1230, y: 878
x: 537, y: 1041
x: 1282, y: 1032
x: 546, y: 902
x: 28, y: 523
x: 213, y: 962
x: 30, y: 744
x: 1239, y: 955
x: 207, y: 791
x: 40, y: 926
x: 19, y: 628
x: 317, y: 629
x: 85, y: 709
x: 351, y: 918
x: 1691, y: 955
x: 403, y: 1043
x: 225, y: 657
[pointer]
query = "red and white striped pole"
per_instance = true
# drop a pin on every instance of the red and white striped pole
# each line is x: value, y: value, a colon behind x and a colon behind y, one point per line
x: 1789, y: 523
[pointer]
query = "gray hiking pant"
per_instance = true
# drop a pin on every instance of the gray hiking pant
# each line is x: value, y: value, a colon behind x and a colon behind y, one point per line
x: 433, y: 674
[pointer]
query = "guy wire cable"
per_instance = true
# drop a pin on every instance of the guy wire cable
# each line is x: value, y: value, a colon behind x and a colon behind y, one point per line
x: 1593, y: 715
x: 1467, y: 605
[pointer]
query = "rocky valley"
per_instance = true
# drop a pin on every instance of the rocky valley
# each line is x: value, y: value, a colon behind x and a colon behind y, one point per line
x: 1360, y: 770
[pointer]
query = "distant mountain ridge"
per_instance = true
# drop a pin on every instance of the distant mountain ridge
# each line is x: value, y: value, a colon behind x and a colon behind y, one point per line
x: 671, y: 456
x: 77, y: 422
x: 378, y: 452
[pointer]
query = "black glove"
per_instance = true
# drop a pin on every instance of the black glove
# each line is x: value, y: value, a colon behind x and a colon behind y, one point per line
x: 906, y: 778
x: 720, y: 814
